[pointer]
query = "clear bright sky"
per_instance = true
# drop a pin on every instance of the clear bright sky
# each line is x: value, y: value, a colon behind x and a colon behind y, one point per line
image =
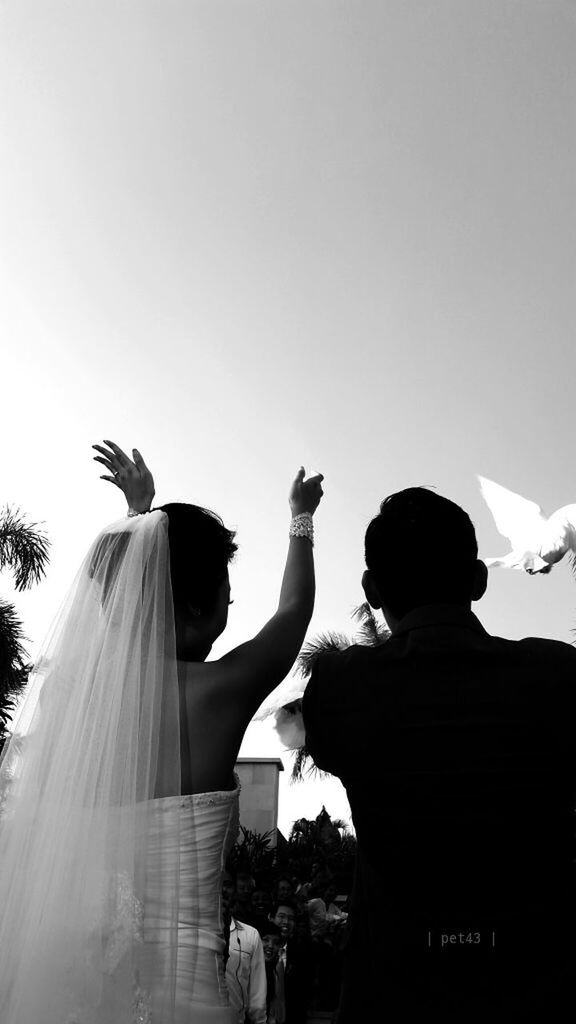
x: 244, y: 236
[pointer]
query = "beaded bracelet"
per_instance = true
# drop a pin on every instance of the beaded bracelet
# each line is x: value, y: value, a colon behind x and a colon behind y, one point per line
x: 302, y: 525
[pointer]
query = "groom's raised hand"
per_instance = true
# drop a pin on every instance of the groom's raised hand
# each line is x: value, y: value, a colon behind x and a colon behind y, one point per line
x: 132, y: 477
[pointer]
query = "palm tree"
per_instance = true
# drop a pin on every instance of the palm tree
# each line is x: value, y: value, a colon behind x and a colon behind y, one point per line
x: 370, y: 633
x: 323, y: 834
x: 24, y: 550
x: 324, y: 842
x: 253, y: 852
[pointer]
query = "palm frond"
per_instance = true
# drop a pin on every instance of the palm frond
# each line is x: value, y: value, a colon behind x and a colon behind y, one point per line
x: 304, y: 766
x: 302, y: 830
x: 23, y: 548
x: 341, y: 824
x: 13, y: 668
x: 253, y: 851
x: 323, y: 643
x: 7, y: 709
x: 371, y: 633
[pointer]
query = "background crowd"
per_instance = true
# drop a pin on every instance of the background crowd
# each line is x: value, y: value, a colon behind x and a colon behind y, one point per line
x: 285, y: 939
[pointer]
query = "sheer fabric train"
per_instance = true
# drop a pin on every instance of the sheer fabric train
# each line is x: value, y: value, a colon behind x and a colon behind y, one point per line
x: 95, y: 747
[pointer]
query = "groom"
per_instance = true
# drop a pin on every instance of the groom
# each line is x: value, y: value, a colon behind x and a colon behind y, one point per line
x: 457, y: 750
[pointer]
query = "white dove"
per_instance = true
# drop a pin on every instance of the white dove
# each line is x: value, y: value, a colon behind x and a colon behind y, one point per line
x: 538, y: 541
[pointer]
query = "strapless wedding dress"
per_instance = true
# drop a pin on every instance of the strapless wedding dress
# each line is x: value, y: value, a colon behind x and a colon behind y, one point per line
x: 205, y: 825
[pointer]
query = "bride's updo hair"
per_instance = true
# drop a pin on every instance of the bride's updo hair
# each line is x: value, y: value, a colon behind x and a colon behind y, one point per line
x: 422, y: 550
x: 200, y: 550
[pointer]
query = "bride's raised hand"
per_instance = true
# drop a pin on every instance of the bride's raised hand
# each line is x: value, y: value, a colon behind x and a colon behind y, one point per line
x: 305, y: 495
x: 132, y: 477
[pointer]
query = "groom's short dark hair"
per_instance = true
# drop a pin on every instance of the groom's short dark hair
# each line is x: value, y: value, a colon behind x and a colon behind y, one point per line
x: 421, y: 549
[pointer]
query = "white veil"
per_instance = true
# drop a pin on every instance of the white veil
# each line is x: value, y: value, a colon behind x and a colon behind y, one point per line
x: 95, y: 741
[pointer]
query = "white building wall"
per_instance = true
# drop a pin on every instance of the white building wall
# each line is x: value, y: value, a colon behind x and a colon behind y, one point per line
x: 259, y: 779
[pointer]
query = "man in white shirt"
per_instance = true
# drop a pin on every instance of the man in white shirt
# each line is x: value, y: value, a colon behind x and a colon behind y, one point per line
x: 245, y: 967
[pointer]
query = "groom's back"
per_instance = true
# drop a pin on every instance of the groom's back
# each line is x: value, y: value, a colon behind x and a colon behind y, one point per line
x: 458, y: 752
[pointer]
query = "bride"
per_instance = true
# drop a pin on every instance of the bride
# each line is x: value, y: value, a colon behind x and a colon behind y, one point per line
x: 117, y: 793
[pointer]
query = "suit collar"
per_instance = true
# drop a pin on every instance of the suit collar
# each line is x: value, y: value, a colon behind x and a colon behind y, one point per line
x: 439, y: 615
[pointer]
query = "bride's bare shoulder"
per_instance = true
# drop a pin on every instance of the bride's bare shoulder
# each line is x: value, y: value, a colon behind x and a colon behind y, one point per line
x: 229, y: 676
x: 209, y: 686
x: 215, y: 725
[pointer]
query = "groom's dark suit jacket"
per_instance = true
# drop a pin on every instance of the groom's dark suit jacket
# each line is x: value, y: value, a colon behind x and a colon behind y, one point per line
x: 457, y: 750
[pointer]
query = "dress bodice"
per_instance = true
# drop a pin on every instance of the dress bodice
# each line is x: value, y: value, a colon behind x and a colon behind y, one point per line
x: 203, y: 828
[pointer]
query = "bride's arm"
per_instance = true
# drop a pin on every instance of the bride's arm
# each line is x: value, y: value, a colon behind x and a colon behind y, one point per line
x: 239, y: 682
x: 246, y: 675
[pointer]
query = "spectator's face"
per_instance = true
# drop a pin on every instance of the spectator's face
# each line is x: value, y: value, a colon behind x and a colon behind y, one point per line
x: 271, y: 944
x: 261, y: 902
x: 286, y: 920
x: 244, y: 888
x: 284, y: 889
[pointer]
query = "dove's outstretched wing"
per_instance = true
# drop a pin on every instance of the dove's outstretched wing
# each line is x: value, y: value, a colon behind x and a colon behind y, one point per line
x: 520, y: 520
x: 559, y: 535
